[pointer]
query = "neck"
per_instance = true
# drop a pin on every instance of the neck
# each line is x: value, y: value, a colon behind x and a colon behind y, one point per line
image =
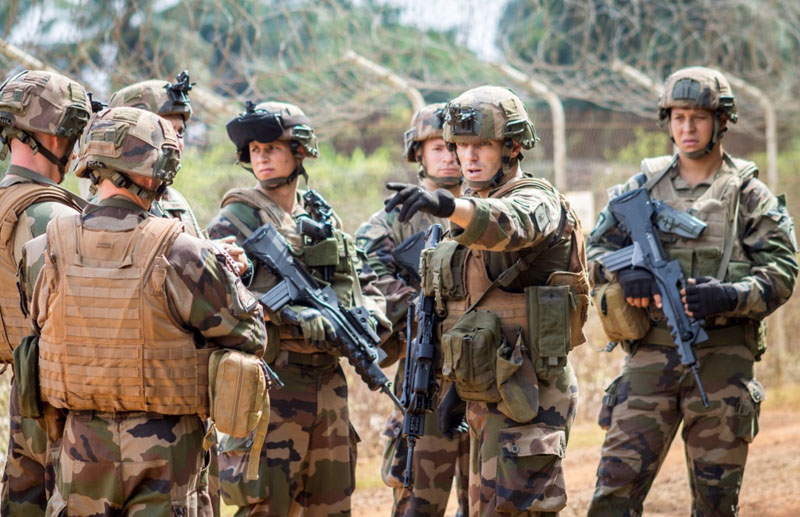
x: 22, y: 156
x: 284, y: 196
x: 696, y: 170
x: 430, y: 186
x: 516, y: 173
x: 106, y: 189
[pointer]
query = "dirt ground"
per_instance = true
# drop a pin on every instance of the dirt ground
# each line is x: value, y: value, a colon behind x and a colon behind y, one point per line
x: 771, y: 484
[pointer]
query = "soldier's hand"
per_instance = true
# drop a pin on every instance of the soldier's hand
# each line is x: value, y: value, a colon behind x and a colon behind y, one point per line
x: 414, y: 198
x: 706, y: 296
x: 451, y: 414
x: 638, y: 286
x: 315, y: 327
x: 237, y: 254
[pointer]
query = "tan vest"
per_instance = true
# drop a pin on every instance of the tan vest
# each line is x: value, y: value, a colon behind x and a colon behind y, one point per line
x: 109, y: 342
x: 14, y: 200
x: 511, y: 308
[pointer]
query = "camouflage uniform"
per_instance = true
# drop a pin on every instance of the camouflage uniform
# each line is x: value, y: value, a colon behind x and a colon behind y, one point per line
x: 307, y: 464
x: 135, y: 458
x: 520, y: 262
x: 28, y: 474
x: 437, y: 459
x: 646, y: 404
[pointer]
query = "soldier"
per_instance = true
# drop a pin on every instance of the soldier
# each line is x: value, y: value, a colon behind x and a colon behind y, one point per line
x: 128, y: 308
x: 437, y: 458
x: 307, y: 466
x: 513, y: 288
x: 740, y: 269
x: 41, y: 116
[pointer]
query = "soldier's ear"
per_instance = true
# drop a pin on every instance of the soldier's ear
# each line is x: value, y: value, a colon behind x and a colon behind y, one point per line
x: 515, y: 149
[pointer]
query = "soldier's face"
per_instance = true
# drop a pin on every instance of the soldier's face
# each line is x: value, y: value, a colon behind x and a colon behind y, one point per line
x: 692, y: 128
x: 180, y: 127
x: 272, y: 160
x: 480, y: 160
x: 438, y: 160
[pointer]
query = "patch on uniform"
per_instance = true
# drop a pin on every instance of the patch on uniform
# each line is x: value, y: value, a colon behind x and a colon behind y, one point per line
x: 242, y: 301
x: 542, y: 217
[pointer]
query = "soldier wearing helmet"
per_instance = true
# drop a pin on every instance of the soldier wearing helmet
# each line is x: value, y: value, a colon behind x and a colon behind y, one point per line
x: 307, y: 465
x: 131, y: 310
x: 512, y: 287
x: 393, y: 249
x: 41, y: 116
x: 740, y: 269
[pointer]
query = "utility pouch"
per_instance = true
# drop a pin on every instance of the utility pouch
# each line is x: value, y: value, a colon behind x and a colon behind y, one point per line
x: 323, y: 253
x: 516, y: 380
x: 239, y: 398
x: 441, y: 270
x: 548, y: 310
x: 26, y: 377
x: 579, y: 302
x: 469, y: 351
x: 621, y: 321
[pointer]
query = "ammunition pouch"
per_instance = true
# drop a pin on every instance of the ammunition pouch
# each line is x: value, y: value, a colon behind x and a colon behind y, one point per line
x: 323, y: 253
x: 621, y: 321
x: 441, y: 270
x: 469, y: 351
x: 239, y: 399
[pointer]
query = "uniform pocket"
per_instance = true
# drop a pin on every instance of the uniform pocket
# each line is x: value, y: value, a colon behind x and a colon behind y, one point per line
x: 745, y: 425
x: 234, y: 455
x: 394, y: 453
x: 529, y: 472
x: 516, y: 380
x: 609, y: 401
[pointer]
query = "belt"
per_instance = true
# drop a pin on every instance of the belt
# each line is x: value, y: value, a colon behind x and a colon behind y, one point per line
x: 317, y: 359
x: 745, y: 333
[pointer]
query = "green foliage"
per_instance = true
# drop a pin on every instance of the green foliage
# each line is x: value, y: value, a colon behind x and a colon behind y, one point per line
x: 645, y: 143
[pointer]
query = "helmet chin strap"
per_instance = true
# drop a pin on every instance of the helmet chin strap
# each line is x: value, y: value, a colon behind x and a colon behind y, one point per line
x: 27, y: 138
x: 276, y: 183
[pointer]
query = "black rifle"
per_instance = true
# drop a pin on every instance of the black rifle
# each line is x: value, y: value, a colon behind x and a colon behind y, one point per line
x: 406, y: 255
x: 420, y: 388
x: 636, y: 212
x: 355, y: 338
x: 319, y: 227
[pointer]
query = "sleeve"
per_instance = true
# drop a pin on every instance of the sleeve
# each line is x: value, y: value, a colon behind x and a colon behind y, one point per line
x: 520, y: 220
x: 767, y: 234
x: 235, y: 219
x: 206, y: 295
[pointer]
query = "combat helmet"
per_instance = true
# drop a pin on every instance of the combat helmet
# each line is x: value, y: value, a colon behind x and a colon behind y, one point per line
x: 269, y: 121
x: 46, y: 102
x: 157, y: 96
x: 699, y: 87
x: 426, y: 123
x: 120, y: 142
x: 490, y: 113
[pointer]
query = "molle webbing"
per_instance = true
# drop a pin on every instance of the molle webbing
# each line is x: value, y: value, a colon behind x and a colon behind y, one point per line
x: 109, y: 342
x: 14, y: 200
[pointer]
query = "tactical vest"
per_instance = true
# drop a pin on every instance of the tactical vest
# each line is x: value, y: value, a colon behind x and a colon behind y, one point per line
x: 175, y: 205
x: 14, y: 200
x: 718, y: 252
x: 109, y: 342
x: 339, y: 252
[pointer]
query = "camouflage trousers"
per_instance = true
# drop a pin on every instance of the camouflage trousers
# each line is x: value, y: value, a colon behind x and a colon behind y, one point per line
x: 642, y: 411
x: 438, y: 461
x: 515, y: 469
x: 135, y: 464
x: 307, y: 465
x: 29, y: 476
x: 208, y: 485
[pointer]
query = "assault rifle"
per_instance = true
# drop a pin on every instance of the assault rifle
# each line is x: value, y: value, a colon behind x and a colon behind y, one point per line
x: 355, y: 339
x: 636, y: 212
x: 420, y: 388
x: 319, y: 227
x: 407, y: 255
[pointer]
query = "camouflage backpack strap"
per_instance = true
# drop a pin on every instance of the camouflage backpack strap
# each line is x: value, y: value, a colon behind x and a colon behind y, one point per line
x: 656, y: 168
x: 268, y: 211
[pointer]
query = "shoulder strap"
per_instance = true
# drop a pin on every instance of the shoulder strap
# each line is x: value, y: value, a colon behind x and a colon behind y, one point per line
x: 745, y: 170
x: 158, y: 234
x: 267, y: 209
x: 656, y: 168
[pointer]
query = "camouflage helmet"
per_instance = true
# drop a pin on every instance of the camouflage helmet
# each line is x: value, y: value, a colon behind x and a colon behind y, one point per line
x: 123, y: 141
x: 45, y: 102
x: 490, y: 113
x: 697, y: 87
x: 426, y: 123
x: 157, y: 96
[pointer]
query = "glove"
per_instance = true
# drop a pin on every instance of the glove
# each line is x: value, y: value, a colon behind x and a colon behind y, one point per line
x: 414, y: 198
x: 637, y: 283
x: 451, y: 414
x: 709, y: 296
x: 315, y: 327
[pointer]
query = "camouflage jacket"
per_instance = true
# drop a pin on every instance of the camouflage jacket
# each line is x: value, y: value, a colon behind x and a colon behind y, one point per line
x: 765, y: 242
x: 512, y: 225
x: 202, y: 289
x: 173, y: 204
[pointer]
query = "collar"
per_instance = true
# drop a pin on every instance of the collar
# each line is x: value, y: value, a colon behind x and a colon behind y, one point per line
x: 118, y: 202
x: 30, y: 175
